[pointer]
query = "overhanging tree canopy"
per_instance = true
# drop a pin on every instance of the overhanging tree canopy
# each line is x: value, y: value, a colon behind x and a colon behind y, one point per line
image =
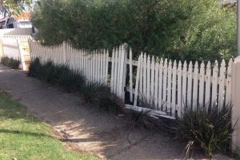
x: 177, y: 29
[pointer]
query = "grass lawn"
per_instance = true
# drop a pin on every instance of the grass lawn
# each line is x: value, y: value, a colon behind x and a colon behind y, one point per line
x: 24, y: 137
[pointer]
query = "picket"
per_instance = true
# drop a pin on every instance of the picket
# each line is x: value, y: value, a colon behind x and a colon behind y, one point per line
x: 179, y: 88
x: 156, y: 88
x: 228, y: 82
x: 214, y: 84
x: 201, y: 84
x: 195, y: 86
x: 189, y: 86
x: 174, y: 75
x: 160, y: 85
x: 221, y: 83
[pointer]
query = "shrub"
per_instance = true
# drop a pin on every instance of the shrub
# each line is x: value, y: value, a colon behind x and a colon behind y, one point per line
x: 175, y: 29
x: 110, y: 102
x: 46, y: 72
x: 208, y: 130
x: 69, y: 80
x: 10, y: 62
x: 99, y: 94
x: 91, y: 89
x: 59, y: 75
x: 34, y: 68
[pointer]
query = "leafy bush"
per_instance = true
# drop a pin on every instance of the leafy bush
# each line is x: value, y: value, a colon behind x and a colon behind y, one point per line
x: 207, y: 130
x: 10, y: 62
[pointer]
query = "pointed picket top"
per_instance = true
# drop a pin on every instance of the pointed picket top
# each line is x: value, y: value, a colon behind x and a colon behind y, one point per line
x: 196, y: 64
x: 229, y: 69
x: 157, y: 60
x: 165, y: 62
x: 170, y: 63
x: 175, y: 63
x: 190, y: 66
x: 185, y: 64
x: 153, y: 59
x: 216, y: 63
x: 179, y: 65
x: 140, y: 57
x: 223, y: 64
x: 148, y: 58
x: 144, y: 57
x: 161, y: 61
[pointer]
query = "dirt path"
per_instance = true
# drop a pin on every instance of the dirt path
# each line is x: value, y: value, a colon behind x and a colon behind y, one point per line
x: 84, y: 128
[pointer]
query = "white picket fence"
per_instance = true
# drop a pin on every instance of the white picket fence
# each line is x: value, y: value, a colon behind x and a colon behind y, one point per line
x: 168, y: 86
x: 171, y: 87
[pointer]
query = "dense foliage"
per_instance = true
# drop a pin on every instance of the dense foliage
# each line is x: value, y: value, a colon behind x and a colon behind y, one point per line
x: 176, y: 29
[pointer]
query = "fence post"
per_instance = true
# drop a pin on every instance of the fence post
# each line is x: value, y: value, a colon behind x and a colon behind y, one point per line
x: 21, y: 52
x: 122, y: 71
x: 236, y: 104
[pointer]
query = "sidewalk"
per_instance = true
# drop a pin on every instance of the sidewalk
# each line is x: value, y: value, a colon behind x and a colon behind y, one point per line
x: 84, y: 128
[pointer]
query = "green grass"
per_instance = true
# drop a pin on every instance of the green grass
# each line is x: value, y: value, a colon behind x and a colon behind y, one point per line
x: 24, y: 137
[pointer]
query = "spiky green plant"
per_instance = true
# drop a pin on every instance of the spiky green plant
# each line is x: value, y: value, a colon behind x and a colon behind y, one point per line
x: 69, y: 80
x: 46, y: 72
x: 10, y: 62
x: 91, y: 89
x: 110, y: 102
x: 208, y: 130
x: 141, y: 120
x: 34, y: 68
